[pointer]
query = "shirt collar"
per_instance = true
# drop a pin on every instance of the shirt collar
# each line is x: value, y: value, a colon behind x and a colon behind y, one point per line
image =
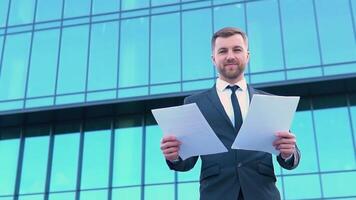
x: 221, y: 84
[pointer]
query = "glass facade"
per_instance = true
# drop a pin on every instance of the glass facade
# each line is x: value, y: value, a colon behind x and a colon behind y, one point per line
x: 61, y: 53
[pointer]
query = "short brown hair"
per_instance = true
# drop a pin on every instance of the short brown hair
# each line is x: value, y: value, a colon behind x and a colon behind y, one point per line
x: 227, y: 32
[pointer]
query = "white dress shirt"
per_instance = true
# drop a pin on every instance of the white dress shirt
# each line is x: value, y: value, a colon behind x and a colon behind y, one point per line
x: 225, y: 97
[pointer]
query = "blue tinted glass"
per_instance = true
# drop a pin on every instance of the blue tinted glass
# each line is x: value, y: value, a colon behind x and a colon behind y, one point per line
x: 34, y: 165
x: 188, y: 191
x: 264, y: 36
x: 353, y: 117
x: 67, y: 99
x: 14, y: 66
x: 108, y: 6
x: 11, y: 105
x: 217, y: 2
x: 21, y: 12
x: 76, y: 8
x: 280, y: 186
x: 94, y: 195
x: 1, y: 44
x: 196, y: 44
x: 336, y: 14
x: 134, y: 52
x: 163, y: 2
x: 128, y: 172
x: 267, y: 77
x: 169, y: 88
x: 340, y: 69
x: 8, y: 158
x: 4, y: 4
x: 129, y: 193
x: 165, y: 48
x: 133, y: 92
x: 65, y: 162
x: 103, y: 56
x: 191, y: 175
x: 48, y: 10
x: 197, y: 85
x: 133, y: 4
x: 43, y: 61
x: 62, y: 196
x: 105, y: 95
x: 32, y: 197
x: 229, y: 16
x: 300, y: 187
x: 276, y: 166
x: 31, y: 103
x: 159, y: 192
x: 299, y: 33
x: 339, y: 184
x: 304, y: 73
x: 155, y: 161
x: 6, y: 198
x: 326, y: 127
x: 95, y: 172
x: 302, y: 127
x: 73, y: 60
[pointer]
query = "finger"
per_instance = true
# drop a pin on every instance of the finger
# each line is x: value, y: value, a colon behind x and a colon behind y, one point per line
x: 284, y: 141
x: 170, y: 150
x: 169, y: 145
x: 171, y: 156
x: 285, y: 134
x: 168, y: 138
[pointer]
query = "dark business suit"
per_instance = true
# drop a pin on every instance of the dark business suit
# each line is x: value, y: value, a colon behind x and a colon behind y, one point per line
x: 224, y: 175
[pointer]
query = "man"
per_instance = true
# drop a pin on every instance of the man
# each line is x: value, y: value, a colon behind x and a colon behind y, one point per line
x: 236, y: 174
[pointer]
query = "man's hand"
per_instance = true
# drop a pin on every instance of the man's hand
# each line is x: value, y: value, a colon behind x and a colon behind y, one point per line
x: 170, y: 147
x: 285, y: 143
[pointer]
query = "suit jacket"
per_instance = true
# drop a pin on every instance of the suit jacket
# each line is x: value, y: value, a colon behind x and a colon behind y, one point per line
x: 224, y: 175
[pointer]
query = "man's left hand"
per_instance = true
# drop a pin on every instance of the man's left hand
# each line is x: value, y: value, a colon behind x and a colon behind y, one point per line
x: 285, y: 143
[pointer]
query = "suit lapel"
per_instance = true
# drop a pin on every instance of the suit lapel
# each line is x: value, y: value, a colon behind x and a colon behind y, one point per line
x: 251, y: 92
x: 215, y: 101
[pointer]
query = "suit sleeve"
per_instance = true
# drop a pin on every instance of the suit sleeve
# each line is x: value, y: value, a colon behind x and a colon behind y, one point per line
x: 183, y: 165
x: 290, y: 163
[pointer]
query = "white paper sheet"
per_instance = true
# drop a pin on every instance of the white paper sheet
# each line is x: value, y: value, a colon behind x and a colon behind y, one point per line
x: 267, y: 115
x: 188, y: 124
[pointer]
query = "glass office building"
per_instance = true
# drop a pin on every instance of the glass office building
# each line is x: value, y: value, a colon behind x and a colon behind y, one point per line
x: 78, y: 79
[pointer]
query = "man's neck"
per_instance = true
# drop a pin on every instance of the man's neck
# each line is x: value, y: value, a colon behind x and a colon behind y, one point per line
x: 232, y: 81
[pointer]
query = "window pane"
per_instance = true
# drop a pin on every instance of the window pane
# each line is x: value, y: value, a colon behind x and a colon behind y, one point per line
x: 34, y: 165
x: 95, y: 172
x: 155, y: 161
x: 264, y: 36
x: 65, y: 160
x: 336, y: 14
x: 8, y: 158
x: 108, y: 6
x: 196, y: 44
x: 73, y: 63
x: 229, y: 16
x: 165, y: 48
x: 21, y: 12
x: 134, y: 4
x: 127, y: 166
x: 134, y: 52
x: 48, y: 10
x: 303, y: 128
x: 300, y: 187
x: 14, y: 66
x: 163, y: 2
x: 62, y: 196
x: 191, y: 175
x: 94, y: 195
x: 130, y: 193
x: 43, y: 61
x: 103, y: 56
x: 4, y: 4
x: 299, y: 33
x: 188, y: 191
x: 31, y: 197
x: 76, y: 8
x: 339, y: 184
x: 159, y: 192
x: 326, y: 127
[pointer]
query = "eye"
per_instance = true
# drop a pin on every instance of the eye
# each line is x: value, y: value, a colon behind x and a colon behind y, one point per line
x: 222, y: 51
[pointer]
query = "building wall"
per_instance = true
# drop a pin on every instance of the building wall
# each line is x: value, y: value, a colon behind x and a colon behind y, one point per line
x: 57, y: 52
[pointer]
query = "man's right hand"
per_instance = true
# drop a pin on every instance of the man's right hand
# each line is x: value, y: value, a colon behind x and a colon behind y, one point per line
x: 170, y: 147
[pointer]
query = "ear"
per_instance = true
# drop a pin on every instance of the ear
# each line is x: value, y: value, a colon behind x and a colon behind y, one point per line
x: 212, y: 59
x: 248, y: 56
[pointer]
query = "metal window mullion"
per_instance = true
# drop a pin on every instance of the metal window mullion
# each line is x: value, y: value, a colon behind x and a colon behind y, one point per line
x: 149, y: 46
x: 59, y: 54
x: 88, y: 51
x: 318, y: 37
x: 316, y: 147
x: 143, y: 151
x: 282, y: 39
x: 19, y: 163
x: 49, y: 162
x: 351, y: 124
x: 181, y: 44
x: 5, y: 34
x: 80, y: 161
x: 112, y: 152
x: 118, y: 53
x: 30, y: 55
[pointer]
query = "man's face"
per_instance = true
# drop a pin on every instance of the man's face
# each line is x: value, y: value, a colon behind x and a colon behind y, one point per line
x: 230, y: 57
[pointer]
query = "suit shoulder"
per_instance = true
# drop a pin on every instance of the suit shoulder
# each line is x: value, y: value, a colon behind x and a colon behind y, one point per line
x: 195, y: 97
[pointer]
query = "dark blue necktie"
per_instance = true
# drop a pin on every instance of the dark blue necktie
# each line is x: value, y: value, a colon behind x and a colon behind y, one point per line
x: 236, y: 107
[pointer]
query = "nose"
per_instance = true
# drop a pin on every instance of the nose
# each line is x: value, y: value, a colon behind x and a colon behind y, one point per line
x: 230, y: 56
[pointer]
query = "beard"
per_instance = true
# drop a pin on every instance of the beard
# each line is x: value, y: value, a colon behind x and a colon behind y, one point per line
x: 231, y: 73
